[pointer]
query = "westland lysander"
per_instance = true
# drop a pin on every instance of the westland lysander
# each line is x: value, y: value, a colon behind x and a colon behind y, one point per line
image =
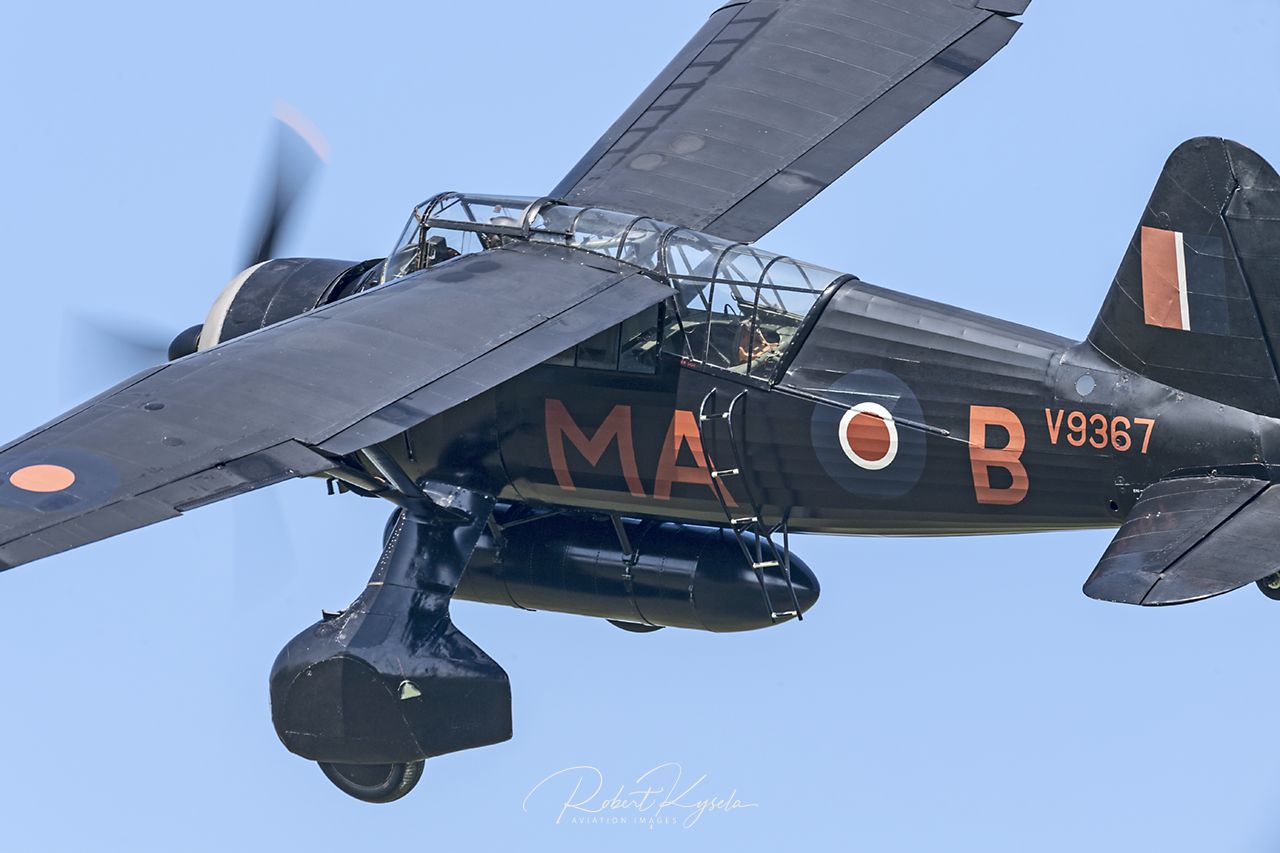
x: 610, y: 402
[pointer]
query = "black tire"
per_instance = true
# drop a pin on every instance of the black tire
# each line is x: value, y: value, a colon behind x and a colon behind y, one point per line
x: 1270, y: 586
x: 635, y: 627
x: 374, y: 783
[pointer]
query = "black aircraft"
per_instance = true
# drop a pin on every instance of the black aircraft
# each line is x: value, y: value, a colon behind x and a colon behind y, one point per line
x: 608, y: 401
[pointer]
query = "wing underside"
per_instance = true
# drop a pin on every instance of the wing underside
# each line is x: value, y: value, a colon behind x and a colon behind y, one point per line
x: 1191, y: 538
x: 773, y: 100
x: 289, y: 399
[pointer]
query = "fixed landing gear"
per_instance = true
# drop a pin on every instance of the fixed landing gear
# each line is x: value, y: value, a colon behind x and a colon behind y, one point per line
x: 374, y: 783
x: 1270, y: 586
x: 373, y: 691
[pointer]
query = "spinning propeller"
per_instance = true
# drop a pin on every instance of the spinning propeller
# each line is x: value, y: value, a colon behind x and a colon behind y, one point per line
x: 125, y: 349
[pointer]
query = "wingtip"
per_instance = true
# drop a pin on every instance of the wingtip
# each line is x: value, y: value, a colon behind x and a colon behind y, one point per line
x: 1101, y: 589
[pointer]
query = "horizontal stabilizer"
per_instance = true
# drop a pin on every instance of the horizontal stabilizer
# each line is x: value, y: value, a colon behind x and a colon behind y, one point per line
x: 1191, y: 538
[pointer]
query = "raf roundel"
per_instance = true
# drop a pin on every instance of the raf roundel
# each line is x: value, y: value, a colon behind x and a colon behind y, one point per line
x: 57, y: 479
x: 869, y: 436
x: 43, y: 478
x: 870, y: 442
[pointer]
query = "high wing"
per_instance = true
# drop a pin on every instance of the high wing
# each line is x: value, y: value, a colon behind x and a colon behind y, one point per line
x: 287, y: 400
x: 1191, y: 538
x: 773, y: 100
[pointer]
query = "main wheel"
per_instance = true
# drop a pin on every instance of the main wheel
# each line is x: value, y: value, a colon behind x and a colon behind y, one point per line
x: 1270, y: 586
x: 374, y: 783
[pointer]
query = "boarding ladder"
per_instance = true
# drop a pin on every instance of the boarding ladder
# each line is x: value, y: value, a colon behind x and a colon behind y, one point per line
x: 730, y: 466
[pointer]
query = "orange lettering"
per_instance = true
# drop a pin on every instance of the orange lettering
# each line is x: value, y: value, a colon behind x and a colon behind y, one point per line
x: 616, y: 427
x: 1101, y: 438
x: 983, y: 458
x: 1055, y: 426
x: 1120, y: 438
x: 1151, y: 427
x: 684, y: 430
x: 1078, y: 425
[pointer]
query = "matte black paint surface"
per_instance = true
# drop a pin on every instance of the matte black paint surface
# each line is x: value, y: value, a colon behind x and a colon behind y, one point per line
x: 680, y: 576
x: 773, y: 101
x: 1189, y: 538
x: 399, y: 373
x: 951, y: 360
x: 1225, y: 199
x: 987, y: 426
x: 285, y: 400
x: 391, y: 679
x: 278, y: 290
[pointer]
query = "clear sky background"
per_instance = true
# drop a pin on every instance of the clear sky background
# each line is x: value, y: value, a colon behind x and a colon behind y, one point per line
x: 945, y: 695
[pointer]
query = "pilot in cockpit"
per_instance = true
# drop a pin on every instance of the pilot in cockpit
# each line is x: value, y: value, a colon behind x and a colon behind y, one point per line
x: 752, y: 344
x: 495, y: 241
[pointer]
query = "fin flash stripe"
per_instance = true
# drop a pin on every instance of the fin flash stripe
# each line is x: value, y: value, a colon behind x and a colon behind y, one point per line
x: 1164, y: 279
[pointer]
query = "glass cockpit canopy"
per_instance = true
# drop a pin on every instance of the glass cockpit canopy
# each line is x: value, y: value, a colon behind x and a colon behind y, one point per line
x: 738, y: 306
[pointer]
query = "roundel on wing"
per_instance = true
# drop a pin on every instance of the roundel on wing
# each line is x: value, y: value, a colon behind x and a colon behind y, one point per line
x: 865, y: 447
x: 56, y: 479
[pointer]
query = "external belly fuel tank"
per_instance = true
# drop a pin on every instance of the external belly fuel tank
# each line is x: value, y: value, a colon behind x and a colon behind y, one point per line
x: 679, y: 576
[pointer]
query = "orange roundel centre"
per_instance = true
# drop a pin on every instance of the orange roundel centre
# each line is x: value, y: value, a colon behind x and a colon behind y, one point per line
x: 43, y: 478
x: 869, y: 437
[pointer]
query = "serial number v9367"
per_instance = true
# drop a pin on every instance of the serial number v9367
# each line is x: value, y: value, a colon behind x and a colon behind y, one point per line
x: 1098, y: 431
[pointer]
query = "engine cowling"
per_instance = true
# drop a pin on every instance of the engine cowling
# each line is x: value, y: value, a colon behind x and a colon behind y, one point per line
x: 680, y: 576
x: 276, y: 290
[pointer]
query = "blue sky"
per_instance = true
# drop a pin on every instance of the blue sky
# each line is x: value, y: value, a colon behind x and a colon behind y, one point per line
x: 944, y: 695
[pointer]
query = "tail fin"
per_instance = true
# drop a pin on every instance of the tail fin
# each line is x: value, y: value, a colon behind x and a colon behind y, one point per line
x: 1196, y: 304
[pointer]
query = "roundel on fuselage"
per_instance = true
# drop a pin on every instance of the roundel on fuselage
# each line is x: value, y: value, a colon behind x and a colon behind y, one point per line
x: 865, y: 447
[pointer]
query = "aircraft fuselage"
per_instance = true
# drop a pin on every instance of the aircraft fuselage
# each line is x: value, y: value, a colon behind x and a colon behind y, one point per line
x: 992, y: 428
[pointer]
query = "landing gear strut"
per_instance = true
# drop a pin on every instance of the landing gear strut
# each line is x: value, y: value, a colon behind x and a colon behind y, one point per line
x: 373, y: 691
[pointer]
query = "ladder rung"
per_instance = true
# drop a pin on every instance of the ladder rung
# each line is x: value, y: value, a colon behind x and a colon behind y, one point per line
x: 767, y: 564
x: 784, y: 614
x: 724, y: 416
x: 749, y: 520
x: 729, y: 472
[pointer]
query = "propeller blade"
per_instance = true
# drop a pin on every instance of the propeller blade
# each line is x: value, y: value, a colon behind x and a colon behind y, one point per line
x: 96, y: 352
x: 135, y: 343
x: 300, y: 149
